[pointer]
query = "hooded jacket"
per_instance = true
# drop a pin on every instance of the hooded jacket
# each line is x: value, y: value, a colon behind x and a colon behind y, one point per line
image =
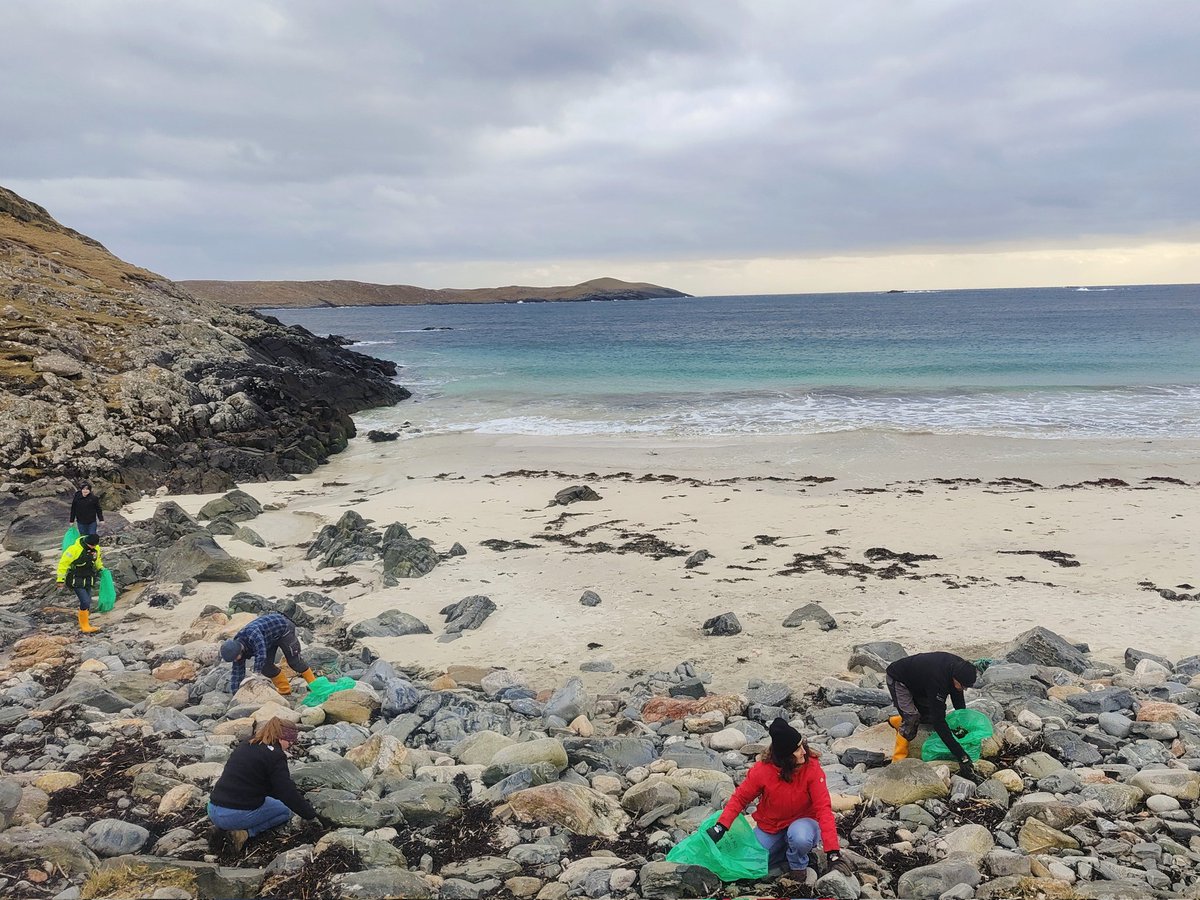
x: 71, y: 554
x: 780, y: 803
x: 86, y: 510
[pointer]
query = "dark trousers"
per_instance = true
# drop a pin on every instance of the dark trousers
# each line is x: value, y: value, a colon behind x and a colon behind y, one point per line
x: 906, y: 706
x: 85, y: 598
x: 87, y: 527
x: 290, y: 645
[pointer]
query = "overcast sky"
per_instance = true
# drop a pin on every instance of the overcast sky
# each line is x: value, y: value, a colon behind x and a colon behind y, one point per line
x: 714, y: 146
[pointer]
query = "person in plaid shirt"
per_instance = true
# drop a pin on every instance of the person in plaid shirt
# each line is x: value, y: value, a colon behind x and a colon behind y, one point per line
x: 261, y: 639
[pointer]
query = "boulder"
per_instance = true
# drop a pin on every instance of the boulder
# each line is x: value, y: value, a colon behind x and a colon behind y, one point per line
x: 931, y: 882
x: 1042, y: 647
x: 1116, y: 799
x: 356, y: 814
x: 468, y: 613
x: 528, y: 753
x: 1182, y: 784
x: 197, y: 556
x: 407, y: 559
x: 905, y: 781
x: 697, y: 559
x: 65, y: 849
x: 341, y: 774
x: 1109, y: 699
x: 391, y: 623
x: 237, y: 506
x: 113, y: 837
x: 673, y: 881
x: 590, y: 598
x: 1038, y: 837
x: 570, y: 701
x: 425, y: 804
x: 876, y: 655
x: 575, y: 807
x: 383, y: 883
x: 574, y: 494
x: 810, y: 612
x: 724, y: 625
x: 835, y: 885
x: 58, y: 363
x: 478, y: 748
x: 381, y: 753
x: 355, y: 706
x: 971, y: 841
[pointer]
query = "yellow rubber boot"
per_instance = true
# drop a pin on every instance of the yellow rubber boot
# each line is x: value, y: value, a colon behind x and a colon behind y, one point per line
x: 308, y: 676
x: 282, y: 684
x: 84, y: 625
x: 901, y: 748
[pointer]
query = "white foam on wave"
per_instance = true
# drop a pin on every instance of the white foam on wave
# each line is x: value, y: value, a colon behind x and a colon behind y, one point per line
x: 371, y: 343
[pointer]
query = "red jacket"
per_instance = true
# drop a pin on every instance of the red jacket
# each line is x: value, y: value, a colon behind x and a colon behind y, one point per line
x: 780, y: 803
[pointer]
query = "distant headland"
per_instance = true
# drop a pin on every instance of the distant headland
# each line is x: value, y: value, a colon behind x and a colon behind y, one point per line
x: 309, y: 294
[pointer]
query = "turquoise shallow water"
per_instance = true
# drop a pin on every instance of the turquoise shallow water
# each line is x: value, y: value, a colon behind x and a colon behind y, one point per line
x: 1060, y: 362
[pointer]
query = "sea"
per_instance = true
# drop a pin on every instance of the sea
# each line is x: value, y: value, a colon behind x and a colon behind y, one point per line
x: 1069, y: 362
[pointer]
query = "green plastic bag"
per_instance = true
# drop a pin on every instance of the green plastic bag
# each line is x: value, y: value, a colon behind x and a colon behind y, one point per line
x: 739, y: 856
x: 107, y: 596
x: 970, y: 728
x: 321, y: 689
x: 70, y: 537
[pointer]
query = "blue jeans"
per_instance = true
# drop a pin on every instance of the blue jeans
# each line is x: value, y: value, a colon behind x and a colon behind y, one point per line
x: 89, y: 528
x: 792, y: 845
x: 85, y: 597
x: 271, y: 814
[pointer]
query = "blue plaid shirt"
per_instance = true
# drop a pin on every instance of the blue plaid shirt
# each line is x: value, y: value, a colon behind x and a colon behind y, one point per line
x: 260, y: 637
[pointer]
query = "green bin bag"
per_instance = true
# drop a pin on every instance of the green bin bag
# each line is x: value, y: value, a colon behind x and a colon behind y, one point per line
x: 321, y: 689
x: 107, y: 596
x: 739, y: 856
x: 970, y: 729
x: 70, y: 537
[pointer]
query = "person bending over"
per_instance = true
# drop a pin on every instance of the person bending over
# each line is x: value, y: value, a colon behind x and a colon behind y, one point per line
x: 255, y: 791
x: 79, y: 568
x: 794, y: 811
x: 919, y: 686
x: 262, y: 639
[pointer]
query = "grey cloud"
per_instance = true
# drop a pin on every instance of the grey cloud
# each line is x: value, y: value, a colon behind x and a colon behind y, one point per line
x: 258, y: 138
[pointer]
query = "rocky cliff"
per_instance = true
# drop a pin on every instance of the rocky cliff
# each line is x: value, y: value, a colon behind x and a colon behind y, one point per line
x: 112, y: 373
x: 304, y: 294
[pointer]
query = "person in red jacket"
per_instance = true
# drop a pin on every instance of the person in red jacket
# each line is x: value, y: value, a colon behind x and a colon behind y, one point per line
x: 794, y: 810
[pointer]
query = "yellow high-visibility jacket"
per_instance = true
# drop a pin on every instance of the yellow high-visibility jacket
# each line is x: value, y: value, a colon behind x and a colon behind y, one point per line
x: 70, y: 555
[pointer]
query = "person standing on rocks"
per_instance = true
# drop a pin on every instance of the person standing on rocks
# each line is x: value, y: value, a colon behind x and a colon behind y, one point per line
x: 262, y: 639
x: 79, y: 568
x: 794, y: 810
x: 919, y: 686
x: 85, y: 510
x: 255, y: 791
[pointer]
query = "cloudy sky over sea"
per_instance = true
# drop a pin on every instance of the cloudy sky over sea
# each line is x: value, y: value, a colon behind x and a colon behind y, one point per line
x: 713, y: 146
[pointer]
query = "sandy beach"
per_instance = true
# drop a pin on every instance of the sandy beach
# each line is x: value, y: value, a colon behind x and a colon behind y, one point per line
x: 754, y: 504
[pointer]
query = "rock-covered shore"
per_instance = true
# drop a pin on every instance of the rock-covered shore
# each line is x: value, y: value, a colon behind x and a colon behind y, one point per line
x: 113, y: 374
x: 480, y: 782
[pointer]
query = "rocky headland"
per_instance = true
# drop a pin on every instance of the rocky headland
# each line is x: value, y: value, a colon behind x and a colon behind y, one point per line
x: 113, y: 374
x: 307, y: 294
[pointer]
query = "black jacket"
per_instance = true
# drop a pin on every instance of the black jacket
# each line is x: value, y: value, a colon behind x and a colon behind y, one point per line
x: 255, y: 772
x: 86, y: 510
x: 930, y: 679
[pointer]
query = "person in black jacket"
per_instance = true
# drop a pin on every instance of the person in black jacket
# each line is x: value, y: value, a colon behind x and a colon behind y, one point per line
x: 85, y: 510
x: 919, y: 686
x: 255, y: 791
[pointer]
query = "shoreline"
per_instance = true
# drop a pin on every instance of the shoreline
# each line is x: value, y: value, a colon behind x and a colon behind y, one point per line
x: 979, y: 593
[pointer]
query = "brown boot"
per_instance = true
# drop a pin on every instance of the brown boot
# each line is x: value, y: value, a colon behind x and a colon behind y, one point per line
x: 282, y: 684
x: 237, y: 839
x: 84, y: 625
x: 308, y: 676
x: 797, y: 877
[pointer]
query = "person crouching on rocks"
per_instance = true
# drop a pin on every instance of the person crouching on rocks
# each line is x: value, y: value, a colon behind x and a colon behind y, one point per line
x: 919, y: 685
x: 85, y: 510
x: 794, y: 810
x: 79, y: 568
x: 255, y: 791
x: 261, y: 639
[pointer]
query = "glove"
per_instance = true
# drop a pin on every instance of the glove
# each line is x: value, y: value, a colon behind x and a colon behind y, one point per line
x: 967, y: 770
x: 836, y: 863
x: 716, y: 832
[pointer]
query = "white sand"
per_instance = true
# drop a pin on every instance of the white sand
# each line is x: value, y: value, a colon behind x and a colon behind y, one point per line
x: 651, y: 610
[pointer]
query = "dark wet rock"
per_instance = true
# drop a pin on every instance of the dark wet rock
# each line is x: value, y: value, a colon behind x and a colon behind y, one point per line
x: 236, y: 506
x: 390, y: 623
x: 672, y: 881
x: 1110, y: 699
x: 724, y: 625
x: 590, y: 598
x: 467, y: 614
x: 620, y: 754
x: 1042, y: 647
x: 378, y: 437
x: 348, y: 541
x: 407, y: 558
x: 574, y: 494
x: 457, y: 549
x: 244, y: 601
x: 697, y: 559
x: 1071, y: 749
x: 198, y: 556
x: 1133, y: 657
x: 876, y: 655
x: 810, y: 612
x: 426, y: 804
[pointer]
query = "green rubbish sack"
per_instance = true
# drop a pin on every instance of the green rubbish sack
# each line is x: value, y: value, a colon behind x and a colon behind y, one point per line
x: 107, y: 596
x: 970, y: 729
x: 70, y: 537
x: 321, y: 689
x: 739, y: 856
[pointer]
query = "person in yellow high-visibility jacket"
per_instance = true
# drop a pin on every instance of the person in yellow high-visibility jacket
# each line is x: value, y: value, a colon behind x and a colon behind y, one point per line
x: 79, y: 568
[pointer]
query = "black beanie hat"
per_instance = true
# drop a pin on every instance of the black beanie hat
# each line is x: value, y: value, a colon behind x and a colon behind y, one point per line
x: 91, y: 540
x: 965, y: 673
x: 784, y: 737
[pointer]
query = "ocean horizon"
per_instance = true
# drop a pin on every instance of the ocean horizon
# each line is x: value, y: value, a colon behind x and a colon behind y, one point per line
x: 1070, y: 362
